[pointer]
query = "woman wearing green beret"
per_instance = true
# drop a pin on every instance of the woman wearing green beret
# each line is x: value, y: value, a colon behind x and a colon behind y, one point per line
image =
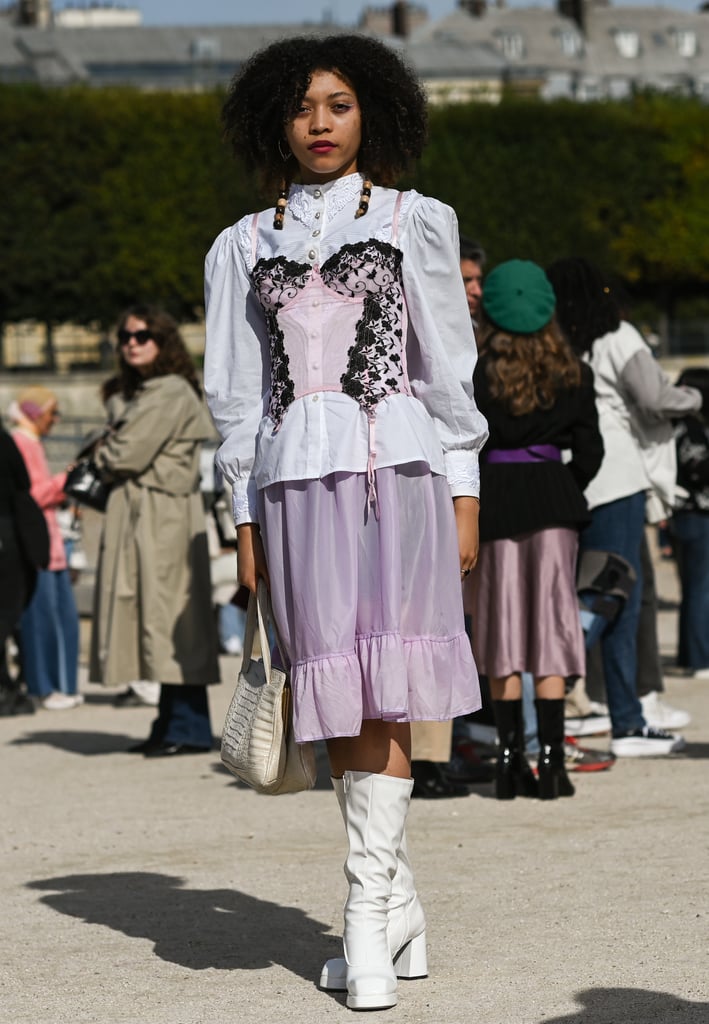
x: 539, y: 401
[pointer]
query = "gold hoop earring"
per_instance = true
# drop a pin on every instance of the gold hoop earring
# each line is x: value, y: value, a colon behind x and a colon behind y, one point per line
x: 284, y: 156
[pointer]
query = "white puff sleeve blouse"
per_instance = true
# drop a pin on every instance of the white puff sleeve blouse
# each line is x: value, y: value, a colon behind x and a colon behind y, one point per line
x: 438, y: 422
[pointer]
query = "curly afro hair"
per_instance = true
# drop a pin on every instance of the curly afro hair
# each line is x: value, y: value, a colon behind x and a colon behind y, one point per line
x: 265, y: 95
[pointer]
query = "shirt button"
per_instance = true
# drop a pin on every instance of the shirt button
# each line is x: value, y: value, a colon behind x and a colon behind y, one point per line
x: 316, y: 303
x: 317, y: 193
x: 317, y: 215
x: 312, y: 254
x: 316, y: 232
x: 315, y: 398
x: 315, y: 366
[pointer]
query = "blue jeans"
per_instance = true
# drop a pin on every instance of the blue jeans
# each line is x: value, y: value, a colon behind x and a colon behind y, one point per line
x: 49, y: 631
x: 183, y: 716
x: 691, y: 531
x: 618, y: 527
x: 531, y: 740
x: 231, y: 623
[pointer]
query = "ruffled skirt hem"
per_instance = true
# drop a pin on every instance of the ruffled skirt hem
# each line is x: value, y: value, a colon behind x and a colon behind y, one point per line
x: 367, y: 601
x: 385, y: 677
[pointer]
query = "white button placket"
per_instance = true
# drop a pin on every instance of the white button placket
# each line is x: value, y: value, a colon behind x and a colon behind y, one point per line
x: 315, y: 339
x: 316, y: 227
x: 315, y: 344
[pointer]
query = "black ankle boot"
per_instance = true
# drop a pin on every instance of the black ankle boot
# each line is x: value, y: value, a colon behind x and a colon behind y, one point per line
x: 553, y: 780
x: 13, y: 699
x: 513, y: 777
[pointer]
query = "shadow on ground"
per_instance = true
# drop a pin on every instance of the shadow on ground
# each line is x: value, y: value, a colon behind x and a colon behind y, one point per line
x: 198, y: 929
x: 695, y: 751
x: 79, y: 741
x: 632, y: 1006
x: 674, y: 671
x: 322, y: 779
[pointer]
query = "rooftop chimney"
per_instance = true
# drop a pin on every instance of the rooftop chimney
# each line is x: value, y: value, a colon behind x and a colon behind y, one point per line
x: 475, y: 8
x: 35, y: 13
x: 574, y: 9
x: 400, y: 19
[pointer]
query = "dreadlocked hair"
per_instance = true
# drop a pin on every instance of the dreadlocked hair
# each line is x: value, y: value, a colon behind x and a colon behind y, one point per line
x: 265, y: 96
x: 587, y: 307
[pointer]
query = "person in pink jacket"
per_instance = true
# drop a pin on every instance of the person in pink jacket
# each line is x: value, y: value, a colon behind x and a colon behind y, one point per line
x: 49, y: 628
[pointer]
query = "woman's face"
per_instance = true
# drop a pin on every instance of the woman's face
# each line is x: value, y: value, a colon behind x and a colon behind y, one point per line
x: 46, y: 420
x: 326, y: 133
x: 138, y: 349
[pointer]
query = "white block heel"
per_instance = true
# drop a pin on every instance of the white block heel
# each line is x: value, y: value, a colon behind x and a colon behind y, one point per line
x: 411, y: 961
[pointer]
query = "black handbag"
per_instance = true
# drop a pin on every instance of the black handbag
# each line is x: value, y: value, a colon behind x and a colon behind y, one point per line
x: 85, y: 484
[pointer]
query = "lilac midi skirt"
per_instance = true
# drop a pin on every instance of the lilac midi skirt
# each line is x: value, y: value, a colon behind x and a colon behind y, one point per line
x: 524, y: 605
x: 369, y: 607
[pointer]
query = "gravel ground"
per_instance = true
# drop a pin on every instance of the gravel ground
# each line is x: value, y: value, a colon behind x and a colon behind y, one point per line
x: 162, y: 892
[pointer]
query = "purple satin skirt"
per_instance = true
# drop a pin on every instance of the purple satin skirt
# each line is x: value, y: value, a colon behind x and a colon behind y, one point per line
x: 524, y: 605
x: 369, y: 608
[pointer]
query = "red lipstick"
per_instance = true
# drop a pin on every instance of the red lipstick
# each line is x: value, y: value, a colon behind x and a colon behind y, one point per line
x: 321, y: 146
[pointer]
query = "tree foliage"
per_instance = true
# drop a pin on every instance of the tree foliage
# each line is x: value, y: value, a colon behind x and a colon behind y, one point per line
x: 111, y: 196
x: 114, y: 195
x: 624, y: 184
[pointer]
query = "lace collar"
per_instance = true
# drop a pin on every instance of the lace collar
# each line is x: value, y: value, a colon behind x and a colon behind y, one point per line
x: 338, y: 193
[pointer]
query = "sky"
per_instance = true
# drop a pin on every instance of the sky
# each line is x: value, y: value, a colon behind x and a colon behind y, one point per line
x: 341, y: 12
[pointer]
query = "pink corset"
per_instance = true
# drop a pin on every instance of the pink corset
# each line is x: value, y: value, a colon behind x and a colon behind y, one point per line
x: 335, y: 327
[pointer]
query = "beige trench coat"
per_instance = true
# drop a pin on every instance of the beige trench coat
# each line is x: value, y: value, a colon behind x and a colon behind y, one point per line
x: 153, y: 616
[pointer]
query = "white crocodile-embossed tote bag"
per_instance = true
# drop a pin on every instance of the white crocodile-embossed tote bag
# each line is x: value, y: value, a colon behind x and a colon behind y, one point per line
x: 257, y: 741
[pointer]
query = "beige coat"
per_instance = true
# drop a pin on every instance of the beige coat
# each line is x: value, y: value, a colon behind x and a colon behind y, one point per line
x: 153, y: 615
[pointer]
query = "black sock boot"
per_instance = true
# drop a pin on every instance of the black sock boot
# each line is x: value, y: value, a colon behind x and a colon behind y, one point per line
x: 513, y: 777
x: 553, y: 780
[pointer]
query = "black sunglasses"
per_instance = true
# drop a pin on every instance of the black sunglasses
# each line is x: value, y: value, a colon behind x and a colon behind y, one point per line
x: 142, y: 337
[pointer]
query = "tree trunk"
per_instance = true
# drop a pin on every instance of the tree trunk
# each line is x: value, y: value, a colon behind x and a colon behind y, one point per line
x: 50, y: 356
x: 666, y: 302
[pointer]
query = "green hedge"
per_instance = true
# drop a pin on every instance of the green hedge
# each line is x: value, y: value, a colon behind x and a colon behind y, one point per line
x: 114, y: 195
x: 626, y: 185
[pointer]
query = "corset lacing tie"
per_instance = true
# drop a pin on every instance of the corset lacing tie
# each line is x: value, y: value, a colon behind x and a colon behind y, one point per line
x: 372, y: 498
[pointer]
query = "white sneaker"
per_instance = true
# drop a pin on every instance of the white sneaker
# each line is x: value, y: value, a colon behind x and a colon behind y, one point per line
x: 592, y: 724
x: 646, y: 742
x: 62, y: 701
x: 700, y: 673
x: 660, y: 715
x: 597, y: 708
x: 146, y: 691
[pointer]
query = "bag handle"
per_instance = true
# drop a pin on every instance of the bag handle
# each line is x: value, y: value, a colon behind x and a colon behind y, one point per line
x: 258, y: 615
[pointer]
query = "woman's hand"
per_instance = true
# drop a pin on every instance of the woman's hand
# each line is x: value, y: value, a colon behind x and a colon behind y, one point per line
x: 250, y: 556
x: 466, y: 521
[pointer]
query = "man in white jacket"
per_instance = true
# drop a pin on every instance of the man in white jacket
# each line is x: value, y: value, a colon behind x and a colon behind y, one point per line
x: 634, y: 398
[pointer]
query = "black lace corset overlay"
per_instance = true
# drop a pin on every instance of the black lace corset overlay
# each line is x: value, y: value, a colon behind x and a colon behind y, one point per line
x: 371, y: 270
x: 277, y: 282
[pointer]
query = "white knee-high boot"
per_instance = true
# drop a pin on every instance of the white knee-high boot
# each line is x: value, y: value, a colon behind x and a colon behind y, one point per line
x: 406, y: 927
x: 375, y: 815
